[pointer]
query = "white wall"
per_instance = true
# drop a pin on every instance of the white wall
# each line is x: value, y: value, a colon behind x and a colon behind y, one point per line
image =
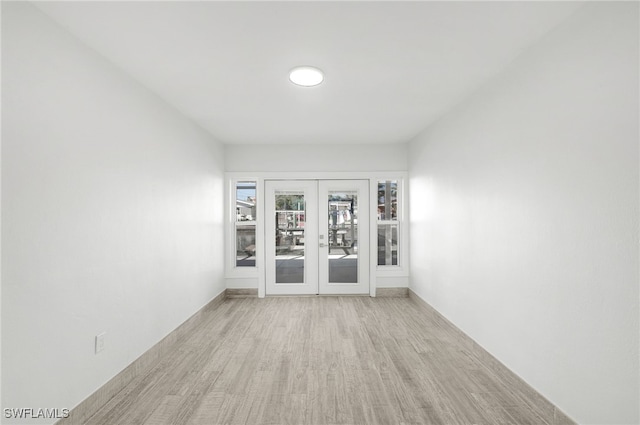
x: 524, y: 215
x: 111, y: 220
x: 325, y: 158
x: 1, y: 420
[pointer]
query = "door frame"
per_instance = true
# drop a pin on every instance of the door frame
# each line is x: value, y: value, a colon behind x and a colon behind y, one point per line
x: 316, y: 252
x: 255, y: 276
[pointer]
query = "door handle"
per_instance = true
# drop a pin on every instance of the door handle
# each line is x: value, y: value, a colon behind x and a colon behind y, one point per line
x: 322, y: 245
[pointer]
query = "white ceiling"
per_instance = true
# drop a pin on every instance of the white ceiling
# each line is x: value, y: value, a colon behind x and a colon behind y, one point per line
x: 392, y: 68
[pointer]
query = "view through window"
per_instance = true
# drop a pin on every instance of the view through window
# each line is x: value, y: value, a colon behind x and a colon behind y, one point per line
x: 245, y: 224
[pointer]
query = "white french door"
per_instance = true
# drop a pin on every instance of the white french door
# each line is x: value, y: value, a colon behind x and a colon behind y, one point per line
x: 344, y: 236
x: 317, y: 237
x: 291, y: 237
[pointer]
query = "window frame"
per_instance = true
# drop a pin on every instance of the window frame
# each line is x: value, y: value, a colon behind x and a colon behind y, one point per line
x: 232, y: 270
x: 245, y: 223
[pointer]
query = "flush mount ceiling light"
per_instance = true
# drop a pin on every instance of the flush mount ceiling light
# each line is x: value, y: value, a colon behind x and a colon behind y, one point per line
x: 306, y: 76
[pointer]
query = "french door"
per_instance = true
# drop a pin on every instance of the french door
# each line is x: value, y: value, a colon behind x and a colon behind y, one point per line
x: 317, y: 237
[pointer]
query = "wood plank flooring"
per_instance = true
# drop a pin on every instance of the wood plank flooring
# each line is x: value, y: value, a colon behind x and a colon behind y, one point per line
x: 321, y: 360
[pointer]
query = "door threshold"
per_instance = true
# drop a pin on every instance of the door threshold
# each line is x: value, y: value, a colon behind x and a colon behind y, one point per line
x: 315, y: 295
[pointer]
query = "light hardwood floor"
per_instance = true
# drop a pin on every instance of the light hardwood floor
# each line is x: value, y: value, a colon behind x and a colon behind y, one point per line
x: 323, y: 360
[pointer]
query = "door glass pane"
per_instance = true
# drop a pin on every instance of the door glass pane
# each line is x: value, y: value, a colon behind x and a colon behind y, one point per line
x: 289, y: 238
x: 343, y: 237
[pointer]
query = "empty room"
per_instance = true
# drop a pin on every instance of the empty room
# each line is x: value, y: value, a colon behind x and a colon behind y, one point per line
x: 320, y: 212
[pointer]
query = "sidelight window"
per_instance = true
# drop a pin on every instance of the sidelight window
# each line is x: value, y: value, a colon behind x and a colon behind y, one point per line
x: 245, y: 224
x: 388, y: 222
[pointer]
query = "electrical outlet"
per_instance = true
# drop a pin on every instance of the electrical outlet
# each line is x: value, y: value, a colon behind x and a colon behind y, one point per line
x: 100, y: 342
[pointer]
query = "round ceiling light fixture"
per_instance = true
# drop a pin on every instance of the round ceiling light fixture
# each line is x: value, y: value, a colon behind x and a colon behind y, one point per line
x: 306, y: 76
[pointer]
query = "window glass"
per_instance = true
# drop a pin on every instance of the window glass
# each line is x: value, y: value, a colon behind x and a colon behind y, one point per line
x: 387, y: 244
x: 245, y: 246
x: 388, y: 200
x: 246, y: 201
